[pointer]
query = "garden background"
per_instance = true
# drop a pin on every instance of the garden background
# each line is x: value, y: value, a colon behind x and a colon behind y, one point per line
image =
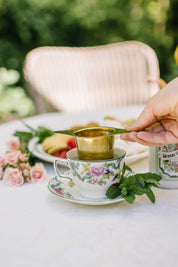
x: 27, y: 24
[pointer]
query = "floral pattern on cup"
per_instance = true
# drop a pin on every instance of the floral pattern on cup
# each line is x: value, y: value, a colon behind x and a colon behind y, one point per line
x: 95, y: 175
x: 96, y: 171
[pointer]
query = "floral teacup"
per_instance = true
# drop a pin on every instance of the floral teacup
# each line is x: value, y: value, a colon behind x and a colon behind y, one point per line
x: 92, y: 177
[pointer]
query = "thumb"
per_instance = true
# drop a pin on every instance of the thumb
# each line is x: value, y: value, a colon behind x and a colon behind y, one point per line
x: 145, y: 119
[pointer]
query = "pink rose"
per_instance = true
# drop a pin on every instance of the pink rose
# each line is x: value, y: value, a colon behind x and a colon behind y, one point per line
x: 24, y: 165
x: 26, y: 174
x: 13, y: 157
x: 13, y: 145
x: 96, y: 171
x: 3, y: 161
x: 12, y: 176
x: 23, y: 157
x: 1, y: 172
x: 25, y: 169
x: 38, y: 173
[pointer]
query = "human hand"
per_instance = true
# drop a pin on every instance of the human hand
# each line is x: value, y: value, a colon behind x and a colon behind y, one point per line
x: 158, y: 123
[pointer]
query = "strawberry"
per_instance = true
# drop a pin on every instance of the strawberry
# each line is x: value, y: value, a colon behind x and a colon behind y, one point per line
x: 57, y: 154
x: 71, y: 144
x: 63, y: 154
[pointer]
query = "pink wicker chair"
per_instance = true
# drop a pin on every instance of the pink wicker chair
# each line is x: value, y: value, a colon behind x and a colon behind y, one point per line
x: 76, y: 79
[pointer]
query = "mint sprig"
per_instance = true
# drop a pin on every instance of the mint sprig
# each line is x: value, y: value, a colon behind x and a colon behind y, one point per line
x: 134, y: 184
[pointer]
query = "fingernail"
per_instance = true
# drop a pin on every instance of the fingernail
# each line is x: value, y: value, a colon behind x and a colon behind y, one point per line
x: 129, y: 127
x: 124, y: 136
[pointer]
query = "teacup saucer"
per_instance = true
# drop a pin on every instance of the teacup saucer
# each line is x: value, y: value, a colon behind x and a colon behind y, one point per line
x: 70, y: 192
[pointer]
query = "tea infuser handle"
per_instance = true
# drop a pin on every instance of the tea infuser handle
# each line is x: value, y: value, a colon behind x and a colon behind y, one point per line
x: 119, y: 131
x: 68, y: 132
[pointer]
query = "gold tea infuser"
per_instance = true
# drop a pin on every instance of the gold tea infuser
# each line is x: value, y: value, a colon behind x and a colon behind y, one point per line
x: 94, y: 143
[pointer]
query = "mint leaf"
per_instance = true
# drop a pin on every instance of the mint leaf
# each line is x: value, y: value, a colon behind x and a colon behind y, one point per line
x: 113, y: 191
x: 150, y: 195
x: 152, y: 182
x: 138, y: 190
x: 123, y: 190
x: 150, y: 175
x: 128, y: 182
x: 125, y: 168
x: 139, y: 180
x: 129, y: 198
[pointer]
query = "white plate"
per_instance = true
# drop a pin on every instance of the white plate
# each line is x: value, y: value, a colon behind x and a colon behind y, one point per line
x: 37, y: 150
x: 71, y: 193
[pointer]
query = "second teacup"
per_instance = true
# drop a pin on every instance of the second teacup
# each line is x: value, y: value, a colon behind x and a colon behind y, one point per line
x: 92, y: 177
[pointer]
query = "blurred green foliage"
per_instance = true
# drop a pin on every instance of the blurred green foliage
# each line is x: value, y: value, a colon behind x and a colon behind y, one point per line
x: 26, y: 24
x: 12, y: 97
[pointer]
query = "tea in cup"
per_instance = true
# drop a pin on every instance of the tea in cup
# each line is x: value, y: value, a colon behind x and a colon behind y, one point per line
x: 92, y: 177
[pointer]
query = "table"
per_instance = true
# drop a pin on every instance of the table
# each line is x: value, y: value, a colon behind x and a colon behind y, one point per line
x: 39, y: 229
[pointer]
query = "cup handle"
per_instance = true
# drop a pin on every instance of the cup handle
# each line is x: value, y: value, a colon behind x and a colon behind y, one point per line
x: 63, y: 172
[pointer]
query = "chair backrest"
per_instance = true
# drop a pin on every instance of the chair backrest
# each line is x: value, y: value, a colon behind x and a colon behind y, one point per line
x: 91, y: 78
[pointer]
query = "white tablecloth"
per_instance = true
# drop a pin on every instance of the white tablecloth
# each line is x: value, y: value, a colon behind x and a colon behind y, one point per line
x: 39, y: 229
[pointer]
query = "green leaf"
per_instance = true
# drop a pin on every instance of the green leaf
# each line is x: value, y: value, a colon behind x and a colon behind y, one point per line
x: 124, y: 191
x: 155, y: 185
x: 151, y: 182
x: 150, y: 194
x: 29, y: 127
x: 128, y: 182
x: 24, y: 138
x: 43, y: 133
x: 139, y: 180
x: 150, y: 175
x: 23, y: 134
x: 129, y: 198
x: 125, y: 168
x: 138, y: 190
x: 32, y: 159
x: 128, y: 168
x: 113, y: 191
